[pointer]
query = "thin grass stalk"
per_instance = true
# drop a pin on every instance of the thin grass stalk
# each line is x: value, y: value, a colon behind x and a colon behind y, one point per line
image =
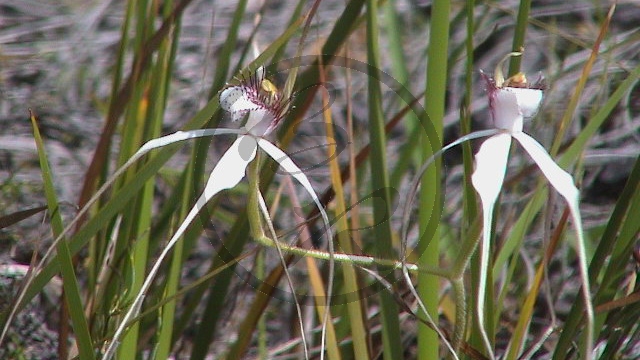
x: 264, y: 294
x: 519, y: 35
x: 470, y: 204
x: 224, y: 56
x: 166, y: 59
x: 341, y: 31
x: 351, y: 285
x: 95, y: 249
x: 430, y: 193
x: 593, y: 125
x: 393, y: 28
x: 214, y: 303
x: 260, y: 266
x: 136, y: 217
x: 119, y: 199
x: 296, y: 14
x: 519, y: 336
x: 572, y: 152
x: 395, y: 42
x: 582, y: 81
x: 620, y: 246
x: 391, y: 340
x: 166, y: 314
x: 148, y: 103
x: 70, y: 282
x: 118, y: 104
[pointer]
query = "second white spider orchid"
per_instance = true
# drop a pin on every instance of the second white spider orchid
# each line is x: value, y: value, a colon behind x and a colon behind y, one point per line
x: 511, y: 101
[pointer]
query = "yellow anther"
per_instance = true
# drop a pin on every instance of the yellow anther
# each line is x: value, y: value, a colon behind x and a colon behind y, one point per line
x: 517, y: 80
x: 269, y: 88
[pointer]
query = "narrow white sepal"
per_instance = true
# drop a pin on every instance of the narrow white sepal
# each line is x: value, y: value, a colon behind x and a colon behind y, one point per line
x: 561, y: 180
x: 491, y: 165
x: 232, y: 166
x: 290, y: 167
x: 487, y: 179
x: 235, y: 160
x: 285, y: 161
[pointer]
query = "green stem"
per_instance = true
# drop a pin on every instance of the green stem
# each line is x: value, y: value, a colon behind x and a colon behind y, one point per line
x: 257, y: 232
x: 253, y: 209
x: 359, y: 260
x: 461, y: 312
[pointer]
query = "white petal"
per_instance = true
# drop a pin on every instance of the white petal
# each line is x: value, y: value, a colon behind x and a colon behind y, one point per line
x: 560, y: 179
x: 258, y: 122
x: 226, y: 174
x: 181, y: 136
x: 529, y: 100
x: 505, y: 110
x: 285, y: 161
x: 563, y: 183
x: 235, y: 100
x: 232, y: 166
x: 487, y: 179
x: 491, y: 165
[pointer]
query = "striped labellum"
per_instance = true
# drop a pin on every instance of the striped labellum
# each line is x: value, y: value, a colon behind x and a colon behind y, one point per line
x: 257, y: 99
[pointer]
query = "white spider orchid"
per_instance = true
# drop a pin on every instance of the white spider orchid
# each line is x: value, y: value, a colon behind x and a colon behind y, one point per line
x: 258, y: 100
x: 511, y: 101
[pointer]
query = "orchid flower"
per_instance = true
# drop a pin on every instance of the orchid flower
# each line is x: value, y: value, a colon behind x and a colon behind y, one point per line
x: 258, y: 101
x: 511, y: 101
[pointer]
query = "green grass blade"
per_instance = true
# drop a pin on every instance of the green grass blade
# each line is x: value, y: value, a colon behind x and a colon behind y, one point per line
x: 391, y: 340
x: 70, y: 282
x: 430, y: 193
x: 580, y: 142
x: 351, y: 284
x: 224, y: 56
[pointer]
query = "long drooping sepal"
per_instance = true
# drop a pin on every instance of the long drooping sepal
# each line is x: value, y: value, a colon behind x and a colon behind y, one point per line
x: 290, y: 167
x: 226, y: 174
x: 487, y: 179
x: 563, y: 183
